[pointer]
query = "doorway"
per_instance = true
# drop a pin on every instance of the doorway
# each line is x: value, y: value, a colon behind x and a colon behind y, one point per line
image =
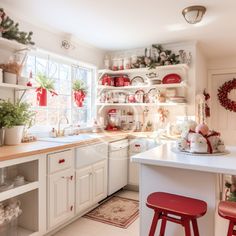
x: 222, y: 120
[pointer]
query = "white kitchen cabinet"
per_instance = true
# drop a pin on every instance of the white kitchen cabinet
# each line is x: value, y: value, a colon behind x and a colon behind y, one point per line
x: 99, y: 181
x: 61, y: 197
x: 84, y: 187
x: 91, y: 185
x: 61, y: 187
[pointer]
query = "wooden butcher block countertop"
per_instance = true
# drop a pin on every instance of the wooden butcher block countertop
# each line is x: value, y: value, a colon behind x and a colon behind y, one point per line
x: 40, y: 147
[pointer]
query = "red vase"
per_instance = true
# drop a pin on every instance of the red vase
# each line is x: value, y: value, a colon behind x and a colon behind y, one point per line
x: 42, y: 96
x: 79, y: 98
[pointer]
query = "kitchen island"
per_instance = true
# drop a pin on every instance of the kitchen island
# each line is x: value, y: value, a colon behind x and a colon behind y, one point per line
x: 197, y: 176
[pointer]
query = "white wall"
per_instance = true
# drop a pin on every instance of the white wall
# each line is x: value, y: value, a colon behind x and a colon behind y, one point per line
x: 201, y: 71
x: 222, y: 63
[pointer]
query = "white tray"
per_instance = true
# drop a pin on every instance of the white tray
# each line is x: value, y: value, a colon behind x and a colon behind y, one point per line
x: 176, y: 150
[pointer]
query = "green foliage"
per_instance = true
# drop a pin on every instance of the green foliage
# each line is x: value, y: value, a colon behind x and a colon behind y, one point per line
x: 45, y: 82
x: 15, y: 114
x: 10, y: 30
x: 78, y: 85
x: 165, y: 57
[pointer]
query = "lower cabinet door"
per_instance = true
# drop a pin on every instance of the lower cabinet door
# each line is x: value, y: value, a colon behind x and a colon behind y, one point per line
x: 61, y: 197
x: 133, y: 173
x: 99, y: 181
x: 84, y: 183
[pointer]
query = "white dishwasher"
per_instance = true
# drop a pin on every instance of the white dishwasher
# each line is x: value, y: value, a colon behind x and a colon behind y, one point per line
x: 117, y: 165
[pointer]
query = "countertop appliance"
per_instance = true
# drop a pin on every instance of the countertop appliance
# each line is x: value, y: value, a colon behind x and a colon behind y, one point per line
x: 113, y: 119
x: 117, y: 165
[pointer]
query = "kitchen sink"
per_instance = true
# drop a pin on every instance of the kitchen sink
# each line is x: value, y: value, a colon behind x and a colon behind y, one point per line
x: 71, y: 139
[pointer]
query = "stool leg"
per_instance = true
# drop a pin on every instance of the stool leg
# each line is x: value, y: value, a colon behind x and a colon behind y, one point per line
x: 163, y: 227
x: 195, y: 227
x: 231, y: 229
x: 186, y: 224
x: 155, y: 219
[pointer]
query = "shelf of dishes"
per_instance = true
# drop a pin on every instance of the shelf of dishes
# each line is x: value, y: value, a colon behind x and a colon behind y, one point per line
x: 154, y: 96
x: 143, y: 70
x: 148, y: 79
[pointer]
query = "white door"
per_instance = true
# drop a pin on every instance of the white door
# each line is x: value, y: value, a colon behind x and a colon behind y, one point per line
x: 61, y: 197
x: 84, y: 187
x: 99, y: 181
x: 222, y: 120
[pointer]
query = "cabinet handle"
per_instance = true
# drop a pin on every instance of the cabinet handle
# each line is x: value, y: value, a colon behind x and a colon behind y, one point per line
x: 71, y: 178
x: 61, y: 161
x: 71, y: 208
x: 137, y: 145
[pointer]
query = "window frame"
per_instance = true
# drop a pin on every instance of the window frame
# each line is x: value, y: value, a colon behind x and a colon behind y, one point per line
x: 42, y: 130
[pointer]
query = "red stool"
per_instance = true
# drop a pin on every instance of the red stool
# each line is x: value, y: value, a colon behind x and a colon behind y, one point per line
x: 167, y: 206
x: 227, y: 210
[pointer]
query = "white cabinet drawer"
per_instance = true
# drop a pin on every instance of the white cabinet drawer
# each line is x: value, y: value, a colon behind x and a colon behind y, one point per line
x: 60, y: 161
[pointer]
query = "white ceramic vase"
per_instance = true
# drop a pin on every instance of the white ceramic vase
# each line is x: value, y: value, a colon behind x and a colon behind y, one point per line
x: 9, y: 78
x: 13, y: 136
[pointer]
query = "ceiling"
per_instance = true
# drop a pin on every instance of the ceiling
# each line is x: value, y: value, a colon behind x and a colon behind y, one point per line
x: 125, y: 24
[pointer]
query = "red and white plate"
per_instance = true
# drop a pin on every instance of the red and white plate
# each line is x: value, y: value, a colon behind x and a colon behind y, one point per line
x: 171, y: 79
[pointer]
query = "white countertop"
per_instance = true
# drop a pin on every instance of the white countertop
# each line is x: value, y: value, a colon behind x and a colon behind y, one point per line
x: 164, y: 156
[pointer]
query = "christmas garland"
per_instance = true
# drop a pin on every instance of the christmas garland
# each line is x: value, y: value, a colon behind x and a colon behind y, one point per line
x: 223, y: 93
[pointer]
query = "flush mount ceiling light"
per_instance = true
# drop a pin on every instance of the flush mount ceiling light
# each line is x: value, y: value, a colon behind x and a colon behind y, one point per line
x: 193, y: 14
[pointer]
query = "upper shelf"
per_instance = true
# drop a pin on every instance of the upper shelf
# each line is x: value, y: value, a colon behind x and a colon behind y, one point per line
x: 13, y: 45
x: 143, y: 70
x: 15, y: 86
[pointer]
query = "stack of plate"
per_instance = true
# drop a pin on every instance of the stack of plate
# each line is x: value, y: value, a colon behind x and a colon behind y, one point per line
x: 177, y: 99
x: 154, y: 81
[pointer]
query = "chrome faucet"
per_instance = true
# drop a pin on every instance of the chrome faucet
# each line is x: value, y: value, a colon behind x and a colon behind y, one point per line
x: 59, y: 132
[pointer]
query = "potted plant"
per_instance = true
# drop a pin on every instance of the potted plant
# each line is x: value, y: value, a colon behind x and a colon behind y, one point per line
x: 45, y: 84
x: 14, y: 117
x: 79, y: 89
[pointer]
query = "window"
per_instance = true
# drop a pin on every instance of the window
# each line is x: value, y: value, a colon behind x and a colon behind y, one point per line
x: 63, y: 71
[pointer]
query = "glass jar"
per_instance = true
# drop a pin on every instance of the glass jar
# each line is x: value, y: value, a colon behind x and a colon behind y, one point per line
x: 107, y: 62
x: 120, y: 64
x: 115, y: 64
x: 127, y: 63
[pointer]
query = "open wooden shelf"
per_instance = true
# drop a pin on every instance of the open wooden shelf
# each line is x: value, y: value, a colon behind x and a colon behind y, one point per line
x: 18, y: 190
x: 13, y: 45
x: 16, y: 86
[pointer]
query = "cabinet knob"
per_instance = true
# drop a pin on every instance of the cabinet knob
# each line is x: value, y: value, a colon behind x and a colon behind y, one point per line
x: 61, y: 161
x: 71, y: 178
x: 71, y: 208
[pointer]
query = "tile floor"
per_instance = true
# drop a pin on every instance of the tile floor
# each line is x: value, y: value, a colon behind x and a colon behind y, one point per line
x: 86, y: 227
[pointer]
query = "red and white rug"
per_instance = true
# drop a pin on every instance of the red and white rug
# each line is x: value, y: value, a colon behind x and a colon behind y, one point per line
x: 117, y: 211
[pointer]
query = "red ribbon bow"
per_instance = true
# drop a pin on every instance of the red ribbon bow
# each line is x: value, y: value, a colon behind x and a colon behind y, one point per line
x: 213, y: 133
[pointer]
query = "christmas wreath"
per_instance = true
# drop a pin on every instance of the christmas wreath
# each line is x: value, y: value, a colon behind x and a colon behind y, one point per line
x: 223, y: 93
